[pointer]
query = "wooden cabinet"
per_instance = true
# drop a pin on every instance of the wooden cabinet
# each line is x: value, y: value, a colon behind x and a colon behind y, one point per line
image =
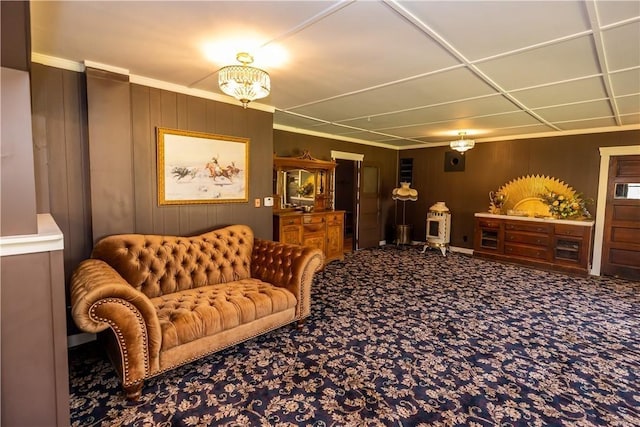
x: 561, y: 245
x: 335, y: 235
x: 322, y: 230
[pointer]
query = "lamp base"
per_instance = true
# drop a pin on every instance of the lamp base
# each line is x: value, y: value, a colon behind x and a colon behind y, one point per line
x: 403, y: 234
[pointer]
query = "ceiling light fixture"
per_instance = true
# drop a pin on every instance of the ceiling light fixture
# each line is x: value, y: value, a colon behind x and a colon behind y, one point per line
x: 462, y: 144
x: 243, y: 82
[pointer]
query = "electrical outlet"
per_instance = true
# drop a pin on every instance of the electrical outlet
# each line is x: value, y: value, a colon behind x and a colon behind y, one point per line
x: 256, y: 203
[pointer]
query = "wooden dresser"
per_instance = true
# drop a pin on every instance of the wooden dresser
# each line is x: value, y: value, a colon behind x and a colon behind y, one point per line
x: 323, y: 230
x: 561, y: 245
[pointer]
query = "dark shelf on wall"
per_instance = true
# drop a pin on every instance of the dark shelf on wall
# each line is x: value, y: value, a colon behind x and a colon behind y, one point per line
x: 406, y: 170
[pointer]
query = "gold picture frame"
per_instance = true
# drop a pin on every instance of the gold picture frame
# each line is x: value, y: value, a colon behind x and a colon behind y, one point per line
x: 200, y: 168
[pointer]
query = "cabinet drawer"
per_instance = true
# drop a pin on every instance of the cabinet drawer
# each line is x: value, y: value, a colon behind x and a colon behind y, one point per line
x: 525, y: 251
x: 569, y: 230
x: 488, y: 223
x: 293, y: 220
x: 530, y: 227
x: 313, y: 219
x: 334, y: 219
x: 313, y: 228
x: 528, y: 238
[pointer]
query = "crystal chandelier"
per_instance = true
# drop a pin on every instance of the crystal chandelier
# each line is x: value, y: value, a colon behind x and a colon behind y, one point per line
x: 243, y: 82
x: 462, y: 144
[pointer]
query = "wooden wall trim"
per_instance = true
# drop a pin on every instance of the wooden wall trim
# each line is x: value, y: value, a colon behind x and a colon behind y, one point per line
x: 110, y: 153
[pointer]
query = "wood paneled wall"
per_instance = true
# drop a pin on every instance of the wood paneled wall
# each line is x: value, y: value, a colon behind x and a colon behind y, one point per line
x: 67, y: 161
x: 572, y: 159
x: 293, y: 144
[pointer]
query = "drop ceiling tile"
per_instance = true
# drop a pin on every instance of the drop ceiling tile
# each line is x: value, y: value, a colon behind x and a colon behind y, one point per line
x: 363, y: 45
x: 479, y: 124
x: 611, y: 12
x: 622, y: 46
x: 467, y: 108
x: 555, y: 63
x: 587, y: 124
x: 588, y: 110
x: 435, y: 88
x: 562, y: 93
x: 520, y: 130
x: 629, y: 104
x: 477, y: 28
x: 285, y: 119
x: 630, y: 119
x: 626, y: 82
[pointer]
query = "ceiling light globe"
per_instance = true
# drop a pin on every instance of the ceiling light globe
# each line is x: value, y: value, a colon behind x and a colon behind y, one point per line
x: 245, y: 83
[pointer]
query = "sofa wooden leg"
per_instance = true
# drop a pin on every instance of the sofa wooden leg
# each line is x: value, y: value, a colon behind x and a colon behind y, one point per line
x: 133, y: 392
x: 300, y: 324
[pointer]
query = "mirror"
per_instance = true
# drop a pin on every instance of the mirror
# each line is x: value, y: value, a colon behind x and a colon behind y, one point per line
x: 303, y: 183
x: 299, y: 188
x: 627, y: 191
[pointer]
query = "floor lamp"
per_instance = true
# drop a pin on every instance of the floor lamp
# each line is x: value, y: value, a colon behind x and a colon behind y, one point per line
x: 404, y: 193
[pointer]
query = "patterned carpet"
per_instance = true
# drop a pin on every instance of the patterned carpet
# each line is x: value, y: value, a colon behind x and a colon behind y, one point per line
x: 400, y: 338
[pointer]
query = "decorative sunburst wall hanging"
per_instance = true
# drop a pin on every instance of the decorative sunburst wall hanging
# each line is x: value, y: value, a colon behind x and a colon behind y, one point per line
x: 523, y: 196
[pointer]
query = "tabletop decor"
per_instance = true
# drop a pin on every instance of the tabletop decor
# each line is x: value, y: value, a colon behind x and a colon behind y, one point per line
x: 538, y: 196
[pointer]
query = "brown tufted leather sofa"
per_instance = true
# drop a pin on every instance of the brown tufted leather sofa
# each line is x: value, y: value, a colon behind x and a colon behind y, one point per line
x: 162, y: 301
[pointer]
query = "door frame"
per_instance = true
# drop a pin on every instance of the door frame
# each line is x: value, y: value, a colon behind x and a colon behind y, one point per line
x: 358, y: 158
x: 605, y: 157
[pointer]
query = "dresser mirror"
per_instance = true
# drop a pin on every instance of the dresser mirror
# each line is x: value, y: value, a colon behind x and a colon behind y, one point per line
x: 303, y: 183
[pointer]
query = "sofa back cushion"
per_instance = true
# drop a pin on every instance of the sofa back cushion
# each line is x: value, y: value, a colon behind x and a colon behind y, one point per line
x: 159, y: 265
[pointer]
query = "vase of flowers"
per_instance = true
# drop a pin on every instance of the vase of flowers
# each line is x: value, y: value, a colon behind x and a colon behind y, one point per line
x: 565, y: 207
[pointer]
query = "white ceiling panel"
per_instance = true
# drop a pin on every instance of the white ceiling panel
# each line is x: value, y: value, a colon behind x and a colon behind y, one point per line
x: 626, y: 82
x: 588, y: 124
x: 621, y: 54
x: 454, y: 110
x: 562, y: 93
x: 628, y: 104
x: 389, y: 71
x: 440, y: 87
x: 631, y: 119
x: 567, y: 60
x: 477, y: 28
x: 613, y: 11
x: 582, y: 110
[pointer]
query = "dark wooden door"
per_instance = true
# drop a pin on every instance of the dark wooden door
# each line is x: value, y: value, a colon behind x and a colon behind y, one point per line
x: 369, y: 226
x: 621, y: 246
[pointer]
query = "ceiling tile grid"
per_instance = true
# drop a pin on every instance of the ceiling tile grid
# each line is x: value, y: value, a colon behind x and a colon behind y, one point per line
x: 389, y: 72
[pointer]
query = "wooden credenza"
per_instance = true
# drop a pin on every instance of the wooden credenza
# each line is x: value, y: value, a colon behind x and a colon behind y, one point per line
x: 560, y: 245
x: 323, y: 230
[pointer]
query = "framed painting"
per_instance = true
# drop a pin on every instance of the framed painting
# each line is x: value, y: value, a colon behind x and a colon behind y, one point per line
x: 198, y: 167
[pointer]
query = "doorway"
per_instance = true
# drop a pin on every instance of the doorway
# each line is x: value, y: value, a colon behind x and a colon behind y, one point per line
x: 621, y: 250
x: 606, y: 153
x: 346, y: 190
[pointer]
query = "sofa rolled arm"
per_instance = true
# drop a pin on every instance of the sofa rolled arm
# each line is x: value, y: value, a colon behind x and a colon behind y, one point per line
x: 101, y: 299
x: 288, y: 266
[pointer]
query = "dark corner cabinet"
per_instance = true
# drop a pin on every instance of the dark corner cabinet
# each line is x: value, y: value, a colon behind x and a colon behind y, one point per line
x: 552, y: 244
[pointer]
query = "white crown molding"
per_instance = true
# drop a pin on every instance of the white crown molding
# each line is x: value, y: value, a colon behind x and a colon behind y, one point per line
x: 343, y: 155
x: 48, y: 238
x: 531, y: 136
x: 52, y: 61
x: 80, y: 67
x: 336, y: 137
x: 105, y: 67
x: 159, y: 84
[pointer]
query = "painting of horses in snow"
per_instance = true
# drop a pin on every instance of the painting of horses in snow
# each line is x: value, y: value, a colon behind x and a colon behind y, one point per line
x: 197, y: 167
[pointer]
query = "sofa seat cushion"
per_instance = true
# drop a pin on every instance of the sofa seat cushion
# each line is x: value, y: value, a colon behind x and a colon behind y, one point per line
x: 196, y: 313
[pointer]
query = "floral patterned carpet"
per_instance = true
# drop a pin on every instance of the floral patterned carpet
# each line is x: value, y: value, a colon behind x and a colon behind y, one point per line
x: 401, y: 338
